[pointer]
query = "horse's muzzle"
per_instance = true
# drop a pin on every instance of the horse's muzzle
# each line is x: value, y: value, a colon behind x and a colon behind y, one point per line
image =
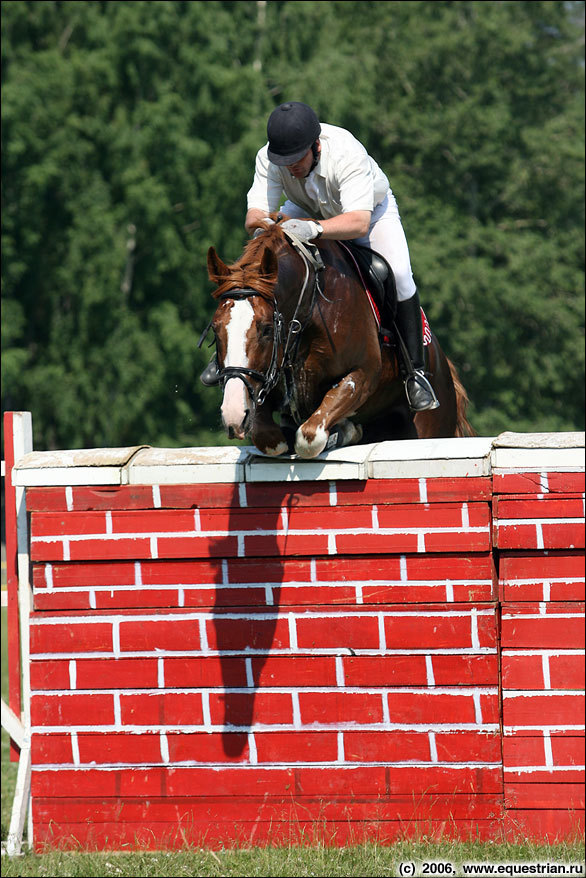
x: 241, y: 431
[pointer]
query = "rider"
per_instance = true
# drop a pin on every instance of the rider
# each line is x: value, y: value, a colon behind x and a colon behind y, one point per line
x: 326, y: 173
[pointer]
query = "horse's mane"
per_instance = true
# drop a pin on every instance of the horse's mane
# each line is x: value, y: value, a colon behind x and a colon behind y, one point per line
x: 247, y: 271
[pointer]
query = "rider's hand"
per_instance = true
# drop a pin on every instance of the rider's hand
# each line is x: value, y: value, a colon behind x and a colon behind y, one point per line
x: 305, y: 230
x: 267, y: 221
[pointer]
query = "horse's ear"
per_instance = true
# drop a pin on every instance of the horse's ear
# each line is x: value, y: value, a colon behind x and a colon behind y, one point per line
x: 269, y: 264
x: 217, y: 270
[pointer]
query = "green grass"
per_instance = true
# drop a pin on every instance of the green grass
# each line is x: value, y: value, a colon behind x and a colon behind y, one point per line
x: 366, y: 859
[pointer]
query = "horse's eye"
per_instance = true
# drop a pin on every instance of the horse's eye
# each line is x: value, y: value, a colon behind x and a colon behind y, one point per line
x: 266, y: 332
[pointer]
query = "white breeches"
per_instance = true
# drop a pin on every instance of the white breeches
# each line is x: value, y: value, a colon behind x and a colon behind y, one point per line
x: 387, y: 237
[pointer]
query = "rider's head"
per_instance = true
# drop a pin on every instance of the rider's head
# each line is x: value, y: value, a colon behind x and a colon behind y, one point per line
x: 292, y: 130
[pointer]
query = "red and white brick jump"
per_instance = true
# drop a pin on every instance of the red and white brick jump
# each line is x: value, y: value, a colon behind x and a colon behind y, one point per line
x: 384, y: 642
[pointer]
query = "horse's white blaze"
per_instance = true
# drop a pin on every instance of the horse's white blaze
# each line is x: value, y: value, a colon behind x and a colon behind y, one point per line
x: 235, y: 401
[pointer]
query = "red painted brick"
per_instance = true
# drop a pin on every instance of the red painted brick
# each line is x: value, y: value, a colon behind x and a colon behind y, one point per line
x: 523, y: 751
x: 544, y: 795
x: 294, y: 671
x: 566, y: 671
x: 531, y: 709
x: 198, y: 672
x: 108, y: 549
x: 247, y: 633
x: 335, y: 518
x: 301, y: 746
x: 153, y: 521
x: 46, y: 500
x: 51, y: 749
x: 72, y: 709
x: 522, y: 671
x: 197, y: 547
x: 45, y: 524
x: 53, y: 601
x: 419, y: 631
x: 90, y: 574
x: 567, y: 750
x: 431, y: 707
x: 118, y: 747
x: 220, y: 596
x: 465, y: 670
x: 312, y: 594
x: 122, y: 673
x: 531, y: 483
x: 52, y: 551
x: 162, y: 709
x: 388, y: 670
x: 328, y: 782
x: 489, y: 708
x: 395, y: 746
x: 69, y: 637
x: 376, y: 543
x: 351, y: 631
x: 136, y: 598
x: 459, y: 541
x: 565, y: 535
x: 246, y: 709
x: 306, y: 544
x: 544, y: 565
x: 340, y: 707
x: 464, y: 746
x: 215, y: 747
x: 163, y: 572
x: 549, y: 507
x: 167, y: 633
x: 199, y: 496
x: 340, y: 569
x: 230, y: 781
x: 49, y: 674
x: 267, y: 570
x: 543, y: 632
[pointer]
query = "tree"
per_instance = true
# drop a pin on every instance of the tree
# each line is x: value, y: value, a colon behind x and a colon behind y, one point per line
x: 129, y: 134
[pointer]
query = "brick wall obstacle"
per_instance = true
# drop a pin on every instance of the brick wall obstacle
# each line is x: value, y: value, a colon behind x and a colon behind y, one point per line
x: 380, y: 643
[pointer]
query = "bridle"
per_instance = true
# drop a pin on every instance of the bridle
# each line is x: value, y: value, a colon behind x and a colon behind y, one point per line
x: 285, y: 336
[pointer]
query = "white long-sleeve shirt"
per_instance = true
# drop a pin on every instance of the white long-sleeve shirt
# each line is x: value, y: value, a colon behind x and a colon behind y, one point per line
x: 345, y: 178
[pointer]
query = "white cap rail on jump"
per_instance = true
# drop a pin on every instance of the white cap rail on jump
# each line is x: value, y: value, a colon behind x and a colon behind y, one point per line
x: 417, y: 458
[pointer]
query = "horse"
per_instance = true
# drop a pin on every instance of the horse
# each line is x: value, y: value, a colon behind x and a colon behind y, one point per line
x: 297, y: 340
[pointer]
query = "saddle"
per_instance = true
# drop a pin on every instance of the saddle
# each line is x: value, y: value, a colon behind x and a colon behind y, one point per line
x: 378, y: 279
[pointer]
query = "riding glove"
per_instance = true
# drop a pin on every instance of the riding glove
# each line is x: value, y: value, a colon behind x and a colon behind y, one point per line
x: 305, y: 230
x: 267, y: 222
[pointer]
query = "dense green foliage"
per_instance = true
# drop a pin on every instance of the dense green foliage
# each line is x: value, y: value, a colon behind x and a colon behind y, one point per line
x: 128, y: 138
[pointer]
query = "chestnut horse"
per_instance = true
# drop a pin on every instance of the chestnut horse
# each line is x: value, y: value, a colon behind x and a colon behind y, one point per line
x: 300, y: 342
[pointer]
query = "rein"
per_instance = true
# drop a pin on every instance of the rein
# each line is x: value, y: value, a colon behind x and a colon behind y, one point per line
x: 290, y: 343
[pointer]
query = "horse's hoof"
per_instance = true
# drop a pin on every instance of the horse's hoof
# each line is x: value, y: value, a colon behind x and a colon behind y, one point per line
x: 280, y: 448
x: 310, y: 447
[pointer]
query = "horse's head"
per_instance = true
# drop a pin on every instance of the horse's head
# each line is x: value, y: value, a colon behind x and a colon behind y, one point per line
x: 246, y: 329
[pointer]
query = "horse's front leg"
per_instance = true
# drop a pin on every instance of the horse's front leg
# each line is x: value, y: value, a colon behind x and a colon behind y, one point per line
x: 341, y: 401
x: 266, y: 435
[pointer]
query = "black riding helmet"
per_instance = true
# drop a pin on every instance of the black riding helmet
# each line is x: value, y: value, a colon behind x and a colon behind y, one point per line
x: 292, y: 129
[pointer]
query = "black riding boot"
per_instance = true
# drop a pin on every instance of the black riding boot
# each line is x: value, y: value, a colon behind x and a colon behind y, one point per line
x: 211, y: 374
x: 420, y: 394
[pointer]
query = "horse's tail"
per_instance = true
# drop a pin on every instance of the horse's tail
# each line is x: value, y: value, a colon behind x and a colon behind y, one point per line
x: 463, y: 426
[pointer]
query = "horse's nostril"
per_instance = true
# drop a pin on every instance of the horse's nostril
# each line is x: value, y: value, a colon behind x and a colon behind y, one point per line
x: 246, y: 421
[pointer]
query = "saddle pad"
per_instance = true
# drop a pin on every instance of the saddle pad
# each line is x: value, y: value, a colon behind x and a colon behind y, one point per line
x: 424, y: 321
